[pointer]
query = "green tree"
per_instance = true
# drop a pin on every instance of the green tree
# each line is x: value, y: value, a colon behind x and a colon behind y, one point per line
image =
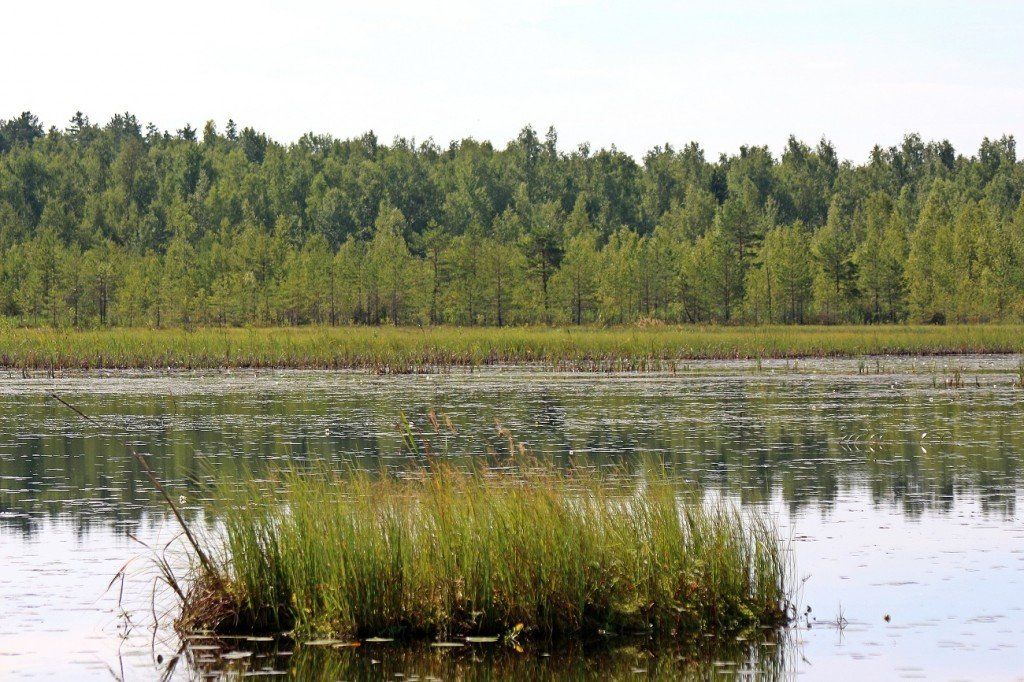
x: 720, y: 270
x: 178, y: 287
x: 435, y: 244
x: 835, y: 275
x: 38, y: 295
x: 619, y: 287
x: 577, y: 277
x: 780, y: 288
x: 392, y: 268
x: 929, y: 244
x: 541, y: 243
x: 138, y: 298
x: 880, y: 259
x: 467, y: 285
x: 351, y: 285
x: 502, y: 269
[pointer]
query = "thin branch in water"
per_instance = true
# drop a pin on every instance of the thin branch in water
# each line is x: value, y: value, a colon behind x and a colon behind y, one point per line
x: 203, y: 559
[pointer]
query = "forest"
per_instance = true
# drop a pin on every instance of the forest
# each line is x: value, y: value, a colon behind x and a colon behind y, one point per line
x: 122, y: 224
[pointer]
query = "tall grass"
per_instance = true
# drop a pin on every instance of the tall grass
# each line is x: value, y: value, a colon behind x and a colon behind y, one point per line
x: 447, y: 553
x: 406, y: 349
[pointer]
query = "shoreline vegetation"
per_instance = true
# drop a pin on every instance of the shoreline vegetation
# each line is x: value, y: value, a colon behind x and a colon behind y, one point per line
x: 385, y: 349
x: 517, y: 553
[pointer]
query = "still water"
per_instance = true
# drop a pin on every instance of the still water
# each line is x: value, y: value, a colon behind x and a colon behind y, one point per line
x: 897, y: 493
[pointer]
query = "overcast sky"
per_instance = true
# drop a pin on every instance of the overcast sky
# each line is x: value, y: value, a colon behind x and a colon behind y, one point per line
x: 634, y: 74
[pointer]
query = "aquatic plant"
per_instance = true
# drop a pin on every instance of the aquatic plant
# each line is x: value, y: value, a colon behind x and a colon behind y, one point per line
x: 524, y: 551
x: 406, y: 349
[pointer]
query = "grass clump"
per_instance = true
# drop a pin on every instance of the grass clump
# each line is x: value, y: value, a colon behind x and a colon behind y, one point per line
x: 447, y: 553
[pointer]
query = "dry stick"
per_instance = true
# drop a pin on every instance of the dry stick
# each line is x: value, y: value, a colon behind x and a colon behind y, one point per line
x: 203, y: 559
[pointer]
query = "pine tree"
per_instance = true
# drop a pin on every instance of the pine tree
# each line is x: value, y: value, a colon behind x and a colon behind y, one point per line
x: 835, y: 274
x: 577, y: 277
x: 619, y: 283
x: 930, y: 245
x: 391, y: 265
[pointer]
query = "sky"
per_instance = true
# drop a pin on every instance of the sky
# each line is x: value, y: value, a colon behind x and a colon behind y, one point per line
x: 634, y: 74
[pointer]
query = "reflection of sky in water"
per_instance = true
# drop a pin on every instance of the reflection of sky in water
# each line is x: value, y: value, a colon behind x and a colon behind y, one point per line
x: 953, y: 584
x: 901, y: 497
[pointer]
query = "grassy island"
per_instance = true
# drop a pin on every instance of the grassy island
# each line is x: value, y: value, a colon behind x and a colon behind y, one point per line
x: 444, y: 554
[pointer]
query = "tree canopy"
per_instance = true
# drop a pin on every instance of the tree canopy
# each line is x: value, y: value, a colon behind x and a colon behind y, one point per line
x: 124, y: 224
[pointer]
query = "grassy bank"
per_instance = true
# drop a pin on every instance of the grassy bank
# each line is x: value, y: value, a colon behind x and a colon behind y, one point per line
x: 402, y: 349
x: 447, y: 554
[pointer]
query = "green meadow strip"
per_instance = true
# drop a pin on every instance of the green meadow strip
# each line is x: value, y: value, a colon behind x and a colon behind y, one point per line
x: 409, y: 349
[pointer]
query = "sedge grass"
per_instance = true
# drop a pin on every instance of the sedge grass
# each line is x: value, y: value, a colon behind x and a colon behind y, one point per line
x: 446, y: 553
x: 408, y: 349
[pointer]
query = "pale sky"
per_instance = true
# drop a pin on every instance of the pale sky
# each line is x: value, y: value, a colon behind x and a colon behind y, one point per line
x: 634, y: 74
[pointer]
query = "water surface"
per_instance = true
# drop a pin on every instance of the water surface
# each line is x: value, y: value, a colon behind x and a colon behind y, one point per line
x: 898, y: 491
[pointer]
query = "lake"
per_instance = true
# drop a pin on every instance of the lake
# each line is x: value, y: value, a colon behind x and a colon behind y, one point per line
x: 896, y: 483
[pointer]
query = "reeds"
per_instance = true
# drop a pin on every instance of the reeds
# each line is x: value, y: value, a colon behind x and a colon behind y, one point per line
x: 538, y: 553
x: 405, y: 349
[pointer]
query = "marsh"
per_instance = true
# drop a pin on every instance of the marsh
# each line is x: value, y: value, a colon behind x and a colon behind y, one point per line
x: 895, y: 490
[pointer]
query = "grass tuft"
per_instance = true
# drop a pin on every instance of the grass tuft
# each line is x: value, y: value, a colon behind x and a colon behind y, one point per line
x: 447, y: 553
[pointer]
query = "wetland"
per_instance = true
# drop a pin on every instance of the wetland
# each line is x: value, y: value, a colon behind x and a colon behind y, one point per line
x: 893, y: 482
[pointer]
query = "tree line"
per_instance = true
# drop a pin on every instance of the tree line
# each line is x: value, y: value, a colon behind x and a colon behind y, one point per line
x: 120, y: 224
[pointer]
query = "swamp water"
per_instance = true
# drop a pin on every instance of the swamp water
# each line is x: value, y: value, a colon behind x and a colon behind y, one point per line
x: 899, y: 496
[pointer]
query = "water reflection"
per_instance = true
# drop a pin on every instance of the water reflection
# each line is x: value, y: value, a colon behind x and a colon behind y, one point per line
x: 900, y: 496
x: 452, y: 661
x: 806, y: 434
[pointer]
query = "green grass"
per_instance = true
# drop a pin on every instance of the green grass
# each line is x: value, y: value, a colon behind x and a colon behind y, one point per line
x: 406, y: 349
x: 442, y: 554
